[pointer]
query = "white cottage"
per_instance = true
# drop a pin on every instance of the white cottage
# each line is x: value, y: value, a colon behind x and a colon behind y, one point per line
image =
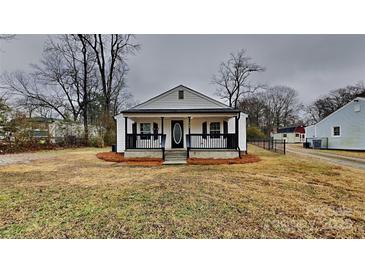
x: 343, y: 129
x: 181, y: 123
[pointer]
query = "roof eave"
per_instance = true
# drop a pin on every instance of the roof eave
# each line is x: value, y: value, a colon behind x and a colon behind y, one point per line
x: 218, y: 110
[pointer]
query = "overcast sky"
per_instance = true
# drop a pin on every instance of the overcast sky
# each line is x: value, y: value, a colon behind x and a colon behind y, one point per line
x: 311, y: 64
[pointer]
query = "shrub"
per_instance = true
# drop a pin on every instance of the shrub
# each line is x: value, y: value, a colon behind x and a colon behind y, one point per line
x: 96, y: 141
x: 255, y: 133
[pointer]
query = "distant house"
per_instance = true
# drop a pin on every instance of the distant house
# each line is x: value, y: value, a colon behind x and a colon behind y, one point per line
x: 53, y: 129
x: 291, y: 135
x: 343, y: 129
x: 181, y: 123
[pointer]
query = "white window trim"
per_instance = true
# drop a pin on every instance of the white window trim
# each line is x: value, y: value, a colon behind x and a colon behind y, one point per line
x: 333, y: 132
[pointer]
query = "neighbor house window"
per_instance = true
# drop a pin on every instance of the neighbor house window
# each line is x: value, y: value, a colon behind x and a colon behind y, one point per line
x: 215, y: 129
x: 296, y: 134
x: 181, y: 94
x: 284, y: 135
x: 336, y: 131
x: 145, y: 129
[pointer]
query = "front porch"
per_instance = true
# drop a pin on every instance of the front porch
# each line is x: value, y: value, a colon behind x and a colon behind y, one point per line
x: 200, y: 135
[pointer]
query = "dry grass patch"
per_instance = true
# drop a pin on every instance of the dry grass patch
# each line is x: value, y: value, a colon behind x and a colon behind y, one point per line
x: 354, y: 154
x: 75, y: 195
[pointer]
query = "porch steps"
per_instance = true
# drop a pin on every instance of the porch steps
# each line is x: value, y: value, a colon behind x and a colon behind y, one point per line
x: 175, y: 157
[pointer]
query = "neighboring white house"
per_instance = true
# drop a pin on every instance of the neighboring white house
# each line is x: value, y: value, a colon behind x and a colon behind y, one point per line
x: 56, y: 130
x: 291, y: 135
x: 181, y: 123
x: 343, y: 129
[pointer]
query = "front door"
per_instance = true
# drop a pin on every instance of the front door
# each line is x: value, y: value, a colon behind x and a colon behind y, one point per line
x: 177, y: 134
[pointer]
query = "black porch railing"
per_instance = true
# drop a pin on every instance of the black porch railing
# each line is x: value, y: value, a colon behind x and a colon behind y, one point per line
x: 212, y: 141
x: 278, y: 146
x: 145, y: 141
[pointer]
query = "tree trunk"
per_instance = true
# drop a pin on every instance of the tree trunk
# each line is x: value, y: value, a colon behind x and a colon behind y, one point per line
x: 86, y: 128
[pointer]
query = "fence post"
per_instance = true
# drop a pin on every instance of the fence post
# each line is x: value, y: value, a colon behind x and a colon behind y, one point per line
x: 284, y: 147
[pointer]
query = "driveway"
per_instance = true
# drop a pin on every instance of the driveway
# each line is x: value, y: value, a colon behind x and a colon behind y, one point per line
x: 333, y: 158
x: 22, y: 158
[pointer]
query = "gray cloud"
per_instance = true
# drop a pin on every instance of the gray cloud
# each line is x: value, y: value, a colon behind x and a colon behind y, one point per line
x: 312, y: 64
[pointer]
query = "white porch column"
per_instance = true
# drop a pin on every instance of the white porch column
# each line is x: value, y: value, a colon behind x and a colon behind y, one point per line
x: 120, y: 133
x: 242, y: 132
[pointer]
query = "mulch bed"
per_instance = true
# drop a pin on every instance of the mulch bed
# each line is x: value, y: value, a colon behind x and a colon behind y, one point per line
x: 246, y: 159
x: 119, y: 158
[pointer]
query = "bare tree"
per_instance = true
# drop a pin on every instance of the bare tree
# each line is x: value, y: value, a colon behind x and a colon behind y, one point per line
x: 325, y: 105
x: 110, y: 52
x: 65, y: 81
x: 254, y: 105
x: 278, y: 106
x: 283, y: 105
x: 4, y: 110
x: 26, y: 86
x: 69, y: 63
x: 233, y: 77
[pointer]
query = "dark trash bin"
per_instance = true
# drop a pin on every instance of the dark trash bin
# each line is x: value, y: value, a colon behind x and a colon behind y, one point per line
x: 114, y: 148
x: 306, y: 145
x: 317, y: 144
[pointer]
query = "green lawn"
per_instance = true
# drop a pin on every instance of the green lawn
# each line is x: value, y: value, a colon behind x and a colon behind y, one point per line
x: 76, y: 195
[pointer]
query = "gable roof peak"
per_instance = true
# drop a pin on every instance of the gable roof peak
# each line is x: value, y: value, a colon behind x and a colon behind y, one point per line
x: 213, y: 102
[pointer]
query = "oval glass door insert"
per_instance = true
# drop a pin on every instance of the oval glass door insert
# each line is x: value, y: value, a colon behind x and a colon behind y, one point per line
x: 177, y: 133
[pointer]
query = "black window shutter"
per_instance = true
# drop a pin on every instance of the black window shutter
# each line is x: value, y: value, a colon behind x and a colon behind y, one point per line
x: 155, y: 131
x: 225, y: 128
x: 134, y: 128
x: 204, y: 130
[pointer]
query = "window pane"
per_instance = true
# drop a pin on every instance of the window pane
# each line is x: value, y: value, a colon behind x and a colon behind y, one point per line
x: 145, y: 128
x: 336, y: 131
x: 215, y: 127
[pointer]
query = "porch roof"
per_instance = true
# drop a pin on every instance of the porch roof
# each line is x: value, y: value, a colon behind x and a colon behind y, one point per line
x: 210, y: 110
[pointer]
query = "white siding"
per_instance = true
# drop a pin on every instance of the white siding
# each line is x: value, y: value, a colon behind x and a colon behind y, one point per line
x: 170, y: 100
x: 309, y: 132
x: 242, y: 132
x: 352, y: 123
x: 120, y: 122
x: 120, y: 133
x: 290, y: 138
